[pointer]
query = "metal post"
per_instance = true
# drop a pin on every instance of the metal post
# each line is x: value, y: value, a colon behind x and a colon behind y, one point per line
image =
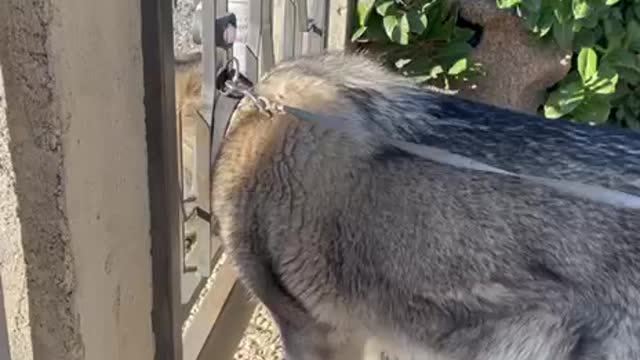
x: 291, y: 39
x: 259, y: 56
x: 164, y: 195
x: 208, y: 53
x: 314, y: 32
x: 304, y: 27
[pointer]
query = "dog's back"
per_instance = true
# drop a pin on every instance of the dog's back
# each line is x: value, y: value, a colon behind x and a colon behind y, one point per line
x: 342, y: 236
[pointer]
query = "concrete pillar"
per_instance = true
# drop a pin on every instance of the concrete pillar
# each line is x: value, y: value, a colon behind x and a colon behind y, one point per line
x: 4, y: 337
x: 74, y: 211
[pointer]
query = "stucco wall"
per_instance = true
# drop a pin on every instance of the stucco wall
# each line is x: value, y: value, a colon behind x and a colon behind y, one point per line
x: 12, y: 265
x: 74, y: 217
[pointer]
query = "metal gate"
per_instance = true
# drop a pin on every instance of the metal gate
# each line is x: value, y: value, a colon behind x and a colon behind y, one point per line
x: 200, y: 308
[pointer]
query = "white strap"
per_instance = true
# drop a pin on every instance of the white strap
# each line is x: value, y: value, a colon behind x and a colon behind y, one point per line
x: 591, y: 192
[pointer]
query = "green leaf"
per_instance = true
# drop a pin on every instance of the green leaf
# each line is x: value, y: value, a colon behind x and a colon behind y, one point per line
x: 546, y: 21
x: 417, y: 22
x: 614, y: 32
x: 435, y: 71
x: 397, y: 28
x: 391, y: 27
x: 630, y: 76
x: 628, y: 14
x: 562, y: 10
x: 375, y: 30
x: 611, y: 2
x: 463, y: 34
x: 577, y: 26
x: 563, y: 100
x: 604, y: 81
x: 358, y: 33
x: 363, y: 9
x: 532, y: 6
x: 386, y: 7
x: 587, y: 63
x: 633, y: 35
x: 531, y: 20
x: 581, y: 9
x: 431, y: 73
x: 459, y: 66
x: 405, y: 29
x: 505, y: 4
x: 586, y: 38
x: 419, y: 66
x: 427, y: 5
x: 594, y: 109
x: 622, y: 58
x: 563, y: 34
x: 441, y: 31
x: 591, y: 21
x: 452, y: 52
x: 551, y: 112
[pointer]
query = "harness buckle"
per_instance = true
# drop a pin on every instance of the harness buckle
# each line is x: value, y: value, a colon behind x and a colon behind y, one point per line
x: 232, y: 83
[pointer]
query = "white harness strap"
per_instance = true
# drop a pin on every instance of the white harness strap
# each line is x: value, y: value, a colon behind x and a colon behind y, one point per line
x: 590, y: 192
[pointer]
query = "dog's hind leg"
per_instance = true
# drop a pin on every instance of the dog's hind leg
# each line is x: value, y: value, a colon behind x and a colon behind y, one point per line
x: 316, y: 341
x: 303, y: 337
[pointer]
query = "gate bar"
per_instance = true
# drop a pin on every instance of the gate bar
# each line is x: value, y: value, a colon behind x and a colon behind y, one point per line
x: 162, y: 161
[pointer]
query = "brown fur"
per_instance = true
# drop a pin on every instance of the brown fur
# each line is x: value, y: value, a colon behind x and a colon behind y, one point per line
x: 188, y: 86
x: 343, y: 237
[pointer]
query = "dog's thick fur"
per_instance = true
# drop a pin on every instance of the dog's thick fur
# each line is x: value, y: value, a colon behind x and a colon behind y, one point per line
x: 188, y: 85
x: 341, y: 237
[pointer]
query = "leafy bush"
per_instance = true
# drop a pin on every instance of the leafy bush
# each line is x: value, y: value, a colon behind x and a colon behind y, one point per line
x: 604, y: 35
x: 421, y: 39
x: 418, y: 38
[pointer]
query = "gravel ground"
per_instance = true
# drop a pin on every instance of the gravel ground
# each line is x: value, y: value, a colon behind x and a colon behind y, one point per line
x: 182, y: 20
x: 261, y: 340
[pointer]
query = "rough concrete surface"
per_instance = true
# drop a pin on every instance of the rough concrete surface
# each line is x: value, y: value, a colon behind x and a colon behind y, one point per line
x: 75, y: 255
x: 5, y: 353
x: 12, y: 266
x: 96, y: 50
x: 39, y: 301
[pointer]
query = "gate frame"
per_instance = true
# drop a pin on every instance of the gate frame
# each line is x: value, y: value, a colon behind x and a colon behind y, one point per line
x: 162, y: 162
x: 226, y: 310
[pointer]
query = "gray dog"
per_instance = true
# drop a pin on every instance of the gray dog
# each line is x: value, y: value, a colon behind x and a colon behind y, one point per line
x: 345, y: 236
